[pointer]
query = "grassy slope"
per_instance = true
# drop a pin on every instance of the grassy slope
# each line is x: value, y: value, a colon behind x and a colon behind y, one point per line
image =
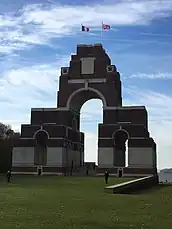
x: 70, y: 202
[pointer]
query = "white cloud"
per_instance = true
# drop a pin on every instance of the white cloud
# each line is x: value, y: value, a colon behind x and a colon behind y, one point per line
x: 159, y: 75
x: 8, y: 47
x: 7, y: 20
x: 90, y: 116
x: 40, y: 76
x: 38, y: 24
x: 27, y: 87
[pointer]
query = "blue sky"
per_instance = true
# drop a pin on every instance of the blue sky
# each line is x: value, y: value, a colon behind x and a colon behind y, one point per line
x: 38, y: 37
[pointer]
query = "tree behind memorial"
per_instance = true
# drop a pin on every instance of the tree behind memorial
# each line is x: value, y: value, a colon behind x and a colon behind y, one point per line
x: 7, y: 138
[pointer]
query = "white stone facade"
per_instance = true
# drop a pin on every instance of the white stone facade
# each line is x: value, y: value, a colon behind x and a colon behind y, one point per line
x: 23, y: 156
x: 137, y: 157
x: 56, y: 157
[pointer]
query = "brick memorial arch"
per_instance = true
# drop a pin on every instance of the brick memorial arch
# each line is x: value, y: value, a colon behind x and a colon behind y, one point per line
x: 89, y: 75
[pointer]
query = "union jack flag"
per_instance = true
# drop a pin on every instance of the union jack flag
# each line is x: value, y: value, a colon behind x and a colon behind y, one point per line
x: 105, y: 27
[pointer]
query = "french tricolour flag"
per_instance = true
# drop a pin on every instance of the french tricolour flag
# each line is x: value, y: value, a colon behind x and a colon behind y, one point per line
x: 84, y: 28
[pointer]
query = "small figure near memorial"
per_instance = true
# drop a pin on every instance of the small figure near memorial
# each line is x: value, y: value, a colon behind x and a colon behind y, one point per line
x: 39, y: 171
x: 8, y: 176
x: 120, y: 173
x: 106, y: 176
x: 71, y: 169
x: 87, y: 170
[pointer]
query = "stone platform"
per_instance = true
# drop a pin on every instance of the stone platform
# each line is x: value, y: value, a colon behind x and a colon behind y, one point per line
x: 132, y: 186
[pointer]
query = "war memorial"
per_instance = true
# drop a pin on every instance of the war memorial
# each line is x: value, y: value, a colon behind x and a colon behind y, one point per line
x: 53, y: 140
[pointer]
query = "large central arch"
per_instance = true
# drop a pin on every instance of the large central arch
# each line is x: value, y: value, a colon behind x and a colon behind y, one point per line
x: 82, y: 95
x: 91, y: 114
x: 76, y: 101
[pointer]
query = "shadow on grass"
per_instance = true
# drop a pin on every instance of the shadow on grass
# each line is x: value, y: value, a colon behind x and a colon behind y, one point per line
x: 153, y: 189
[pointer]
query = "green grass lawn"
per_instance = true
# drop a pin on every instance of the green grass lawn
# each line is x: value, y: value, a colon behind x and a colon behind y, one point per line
x: 72, y: 202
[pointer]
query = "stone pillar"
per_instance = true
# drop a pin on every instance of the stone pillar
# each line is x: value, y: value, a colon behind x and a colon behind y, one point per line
x: 81, y: 156
x: 55, y: 156
x: 23, y: 156
x: 105, y: 153
x: 142, y: 153
x: 119, y: 157
x: 105, y: 157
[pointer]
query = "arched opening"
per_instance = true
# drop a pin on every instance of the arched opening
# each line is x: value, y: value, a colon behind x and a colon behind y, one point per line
x: 82, y: 95
x: 40, y: 154
x: 91, y: 114
x: 87, y: 103
x: 120, y: 138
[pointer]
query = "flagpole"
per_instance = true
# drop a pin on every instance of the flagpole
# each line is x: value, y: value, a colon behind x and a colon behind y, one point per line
x: 101, y: 34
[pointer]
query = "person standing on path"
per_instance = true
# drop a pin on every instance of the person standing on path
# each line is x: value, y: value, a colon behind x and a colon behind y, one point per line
x: 106, y: 176
x: 8, y: 176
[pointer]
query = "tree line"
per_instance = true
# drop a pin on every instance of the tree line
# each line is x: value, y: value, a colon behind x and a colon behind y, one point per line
x: 7, y: 138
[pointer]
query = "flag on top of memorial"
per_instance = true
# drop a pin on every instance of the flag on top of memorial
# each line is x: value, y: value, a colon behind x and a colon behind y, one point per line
x: 105, y: 26
x: 84, y: 28
x: 87, y: 29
